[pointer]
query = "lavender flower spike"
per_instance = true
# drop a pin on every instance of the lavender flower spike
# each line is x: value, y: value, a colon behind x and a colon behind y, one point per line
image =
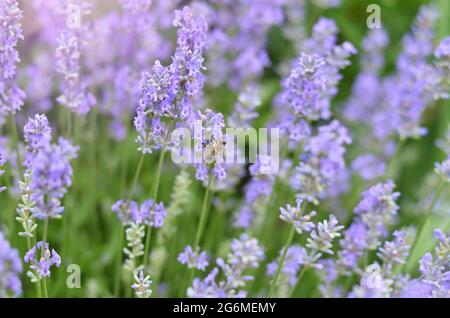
x: 42, y: 264
x: 142, y: 285
x: 10, y: 269
x: 11, y: 96
x: 194, y: 259
x: 321, y: 239
x: 295, y: 216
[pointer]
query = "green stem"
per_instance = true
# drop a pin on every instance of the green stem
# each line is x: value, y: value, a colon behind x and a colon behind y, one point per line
x: 424, y: 219
x: 203, y: 214
x: 202, y: 222
x: 44, y: 241
x: 281, y: 262
x: 300, y: 276
x: 155, y: 197
x: 15, y: 135
x: 137, y: 174
x: 44, y: 283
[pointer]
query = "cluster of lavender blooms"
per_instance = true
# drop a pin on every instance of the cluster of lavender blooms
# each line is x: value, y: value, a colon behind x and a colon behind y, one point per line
x: 373, y: 214
x: 48, y: 171
x: 395, y: 104
x: 245, y: 253
x: 237, y: 43
x: 135, y: 218
x: 11, y: 96
x: 148, y: 213
x: 41, y: 260
x: 10, y: 269
x: 194, y: 259
x: 68, y: 58
x: 168, y: 92
x: 233, y: 36
x: 299, y: 258
x: 434, y: 269
x: 322, y: 161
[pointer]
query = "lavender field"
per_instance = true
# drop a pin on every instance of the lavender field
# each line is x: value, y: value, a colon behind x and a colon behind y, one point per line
x: 225, y: 148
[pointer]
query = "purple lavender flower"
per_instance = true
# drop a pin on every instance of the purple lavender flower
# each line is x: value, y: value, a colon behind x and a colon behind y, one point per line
x: 37, y: 135
x: 244, y: 111
x: 142, y: 285
x: 147, y: 213
x: 126, y: 210
x: 442, y: 51
x: 51, y: 175
x: 10, y: 269
x: 376, y: 209
x: 237, y: 43
x: 169, y: 92
x: 435, y: 270
x: 11, y: 96
x: 395, y: 252
x: 152, y: 213
x: 245, y: 254
x: 353, y: 245
x: 71, y: 42
x: 194, y: 259
x: 321, y: 238
x: 209, y: 142
x: 443, y: 169
x: 368, y: 166
x: 296, y: 216
x: 291, y: 267
x: 322, y: 161
x: 42, y: 264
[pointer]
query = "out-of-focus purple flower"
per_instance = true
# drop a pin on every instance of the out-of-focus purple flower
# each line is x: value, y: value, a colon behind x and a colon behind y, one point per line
x: 194, y: 259
x: 126, y: 210
x: 41, y: 259
x: 377, y: 209
x: 11, y: 96
x: 244, y: 111
x: 244, y: 217
x: 10, y: 269
x: 353, y: 245
x: 291, y: 266
x: 412, y: 90
x: 152, y: 213
x: 321, y: 162
x: 395, y: 252
x: 416, y: 289
x: 373, y: 284
x: 245, y: 254
x: 442, y: 51
x: 297, y: 217
x: 149, y: 212
x: 443, y: 169
x: 237, y: 44
x: 368, y: 166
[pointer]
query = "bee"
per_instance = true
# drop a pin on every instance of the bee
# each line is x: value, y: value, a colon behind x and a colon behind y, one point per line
x: 213, y: 149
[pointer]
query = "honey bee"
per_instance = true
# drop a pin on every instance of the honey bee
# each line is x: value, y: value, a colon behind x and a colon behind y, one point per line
x: 213, y: 149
